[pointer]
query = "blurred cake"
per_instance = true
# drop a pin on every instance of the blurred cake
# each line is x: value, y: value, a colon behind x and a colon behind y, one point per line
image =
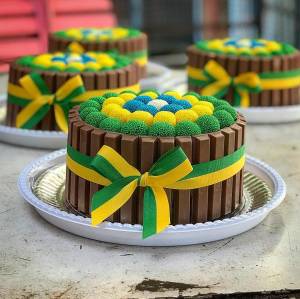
x: 43, y: 88
x: 127, y: 41
x: 145, y: 129
x: 246, y: 72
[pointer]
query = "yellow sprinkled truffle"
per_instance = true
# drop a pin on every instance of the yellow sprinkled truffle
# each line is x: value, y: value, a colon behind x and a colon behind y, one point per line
x: 114, y: 100
x: 43, y: 60
x: 78, y: 65
x: 202, y: 110
x: 182, y: 115
x: 105, y: 60
x: 150, y: 94
x: 174, y: 94
x: 106, y: 110
x: 191, y: 99
x: 59, y: 64
x: 273, y: 46
x: 127, y: 96
x: 208, y: 104
x: 93, y: 65
x: 141, y: 115
x: 121, y: 114
x: 165, y: 116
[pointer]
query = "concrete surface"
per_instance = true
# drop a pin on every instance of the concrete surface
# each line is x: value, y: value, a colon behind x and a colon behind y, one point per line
x: 37, y: 260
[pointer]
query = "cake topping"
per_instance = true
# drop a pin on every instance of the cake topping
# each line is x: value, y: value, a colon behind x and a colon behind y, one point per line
x: 245, y: 47
x: 98, y: 34
x: 74, y: 62
x: 154, y: 114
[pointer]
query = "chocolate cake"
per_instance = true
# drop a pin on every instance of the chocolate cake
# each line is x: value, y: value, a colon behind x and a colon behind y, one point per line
x: 143, y: 127
x: 64, y: 80
x: 246, y: 72
x: 127, y: 41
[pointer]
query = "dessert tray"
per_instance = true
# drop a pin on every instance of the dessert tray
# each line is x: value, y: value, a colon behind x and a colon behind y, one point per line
x: 158, y: 78
x: 254, y: 115
x: 42, y: 182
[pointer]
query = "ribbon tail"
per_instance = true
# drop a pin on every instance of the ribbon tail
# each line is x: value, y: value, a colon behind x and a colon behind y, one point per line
x: 60, y: 118
x: 217, y: 89
x: 244, y: 98
x: 109, y: 199
x: 32, y: 114
x: 156, y: 212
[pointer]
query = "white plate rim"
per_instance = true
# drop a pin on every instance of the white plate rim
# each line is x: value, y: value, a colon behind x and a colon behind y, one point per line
x: 249, y: 220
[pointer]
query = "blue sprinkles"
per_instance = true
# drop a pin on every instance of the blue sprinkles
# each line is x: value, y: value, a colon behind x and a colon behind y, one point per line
x: 143, y: 99
x: 172, y: 108
x: 150, y: 109
x: 169, y: 99
x: 183, y: 103
x: 134, y: 105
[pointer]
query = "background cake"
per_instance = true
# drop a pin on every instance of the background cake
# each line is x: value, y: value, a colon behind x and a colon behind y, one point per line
x: 95, y: 73
x: 127, y: 41
x: 141, y: 128
x: 249, y: 72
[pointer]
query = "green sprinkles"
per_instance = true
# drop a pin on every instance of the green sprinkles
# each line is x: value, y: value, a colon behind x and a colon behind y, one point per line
x: 135, y: 127
x: 208, y: 123
x: 225, y: 119
x: 187, y: 128
x: 111, y: 124
x: 161, y: 128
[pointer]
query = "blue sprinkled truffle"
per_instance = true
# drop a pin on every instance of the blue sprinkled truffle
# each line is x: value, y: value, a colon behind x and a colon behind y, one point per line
x: 143, y: 99
x: 183, y: 103
x: 172, y: 108
x: 169, y: 99
x: 133, y: 105
x: 150, y: 109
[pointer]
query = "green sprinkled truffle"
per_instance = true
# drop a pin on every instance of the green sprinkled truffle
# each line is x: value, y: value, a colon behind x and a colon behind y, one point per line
x: 161, y: 128
x: 111, y: 124
x: 84, y: 113
x: 98, y: 100
x: 221, y: 103
x: 187, y: 128
x: 135, y: 127
x: 95, y: 118
x: 229, y: 109
x: 128, y: 91
x: 89, y: 103
x: 208, y: 123
x: 193, y: 93
x: 110, y: 94
x: 208, y: 99
x: 225, y: 119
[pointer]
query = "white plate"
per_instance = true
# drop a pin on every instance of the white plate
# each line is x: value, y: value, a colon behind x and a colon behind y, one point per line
x: 158, y: 77
x: 132, y: 234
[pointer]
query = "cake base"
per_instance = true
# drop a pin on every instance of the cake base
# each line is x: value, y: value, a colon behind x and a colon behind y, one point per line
x: 264, y: 191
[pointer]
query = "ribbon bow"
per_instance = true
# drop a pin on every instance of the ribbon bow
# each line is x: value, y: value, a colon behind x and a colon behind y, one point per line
x: 170, y: 168
x: 35, y: 97
x: 216, y: 82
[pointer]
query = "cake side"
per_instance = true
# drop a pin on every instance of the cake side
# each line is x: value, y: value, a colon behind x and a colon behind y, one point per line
x: 123, y: 76
x: 186, y: 206
x: 264, y: 65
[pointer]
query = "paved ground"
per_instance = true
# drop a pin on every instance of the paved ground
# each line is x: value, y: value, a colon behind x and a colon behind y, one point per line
x: 38, y: 260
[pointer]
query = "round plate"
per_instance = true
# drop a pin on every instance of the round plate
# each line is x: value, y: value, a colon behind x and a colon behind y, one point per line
x: 253, y: 115
x: 157, y: 76
x: 132, y: 234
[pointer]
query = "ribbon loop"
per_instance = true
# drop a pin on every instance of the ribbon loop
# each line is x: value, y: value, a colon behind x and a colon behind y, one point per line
x: 215, y: 81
